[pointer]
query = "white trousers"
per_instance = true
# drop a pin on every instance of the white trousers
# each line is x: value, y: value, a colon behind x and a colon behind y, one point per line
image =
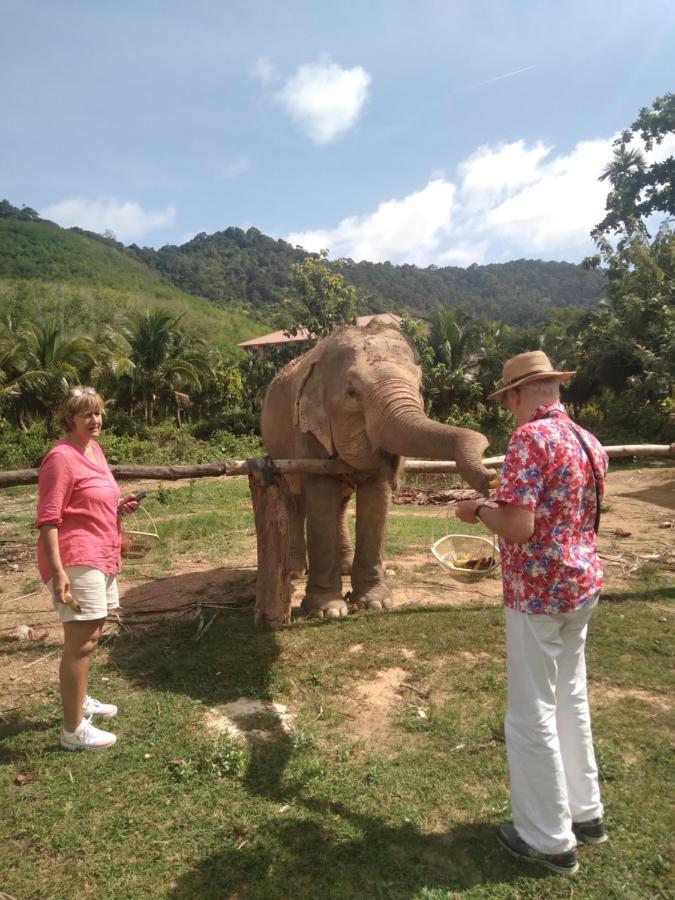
x: 554, y: 777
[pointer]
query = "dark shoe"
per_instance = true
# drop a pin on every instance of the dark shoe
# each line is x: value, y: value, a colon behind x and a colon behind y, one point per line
x: 591, y: 832
x: 510, y: 840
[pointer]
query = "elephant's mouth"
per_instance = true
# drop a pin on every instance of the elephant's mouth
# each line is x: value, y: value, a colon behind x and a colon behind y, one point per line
x: 356, y: 450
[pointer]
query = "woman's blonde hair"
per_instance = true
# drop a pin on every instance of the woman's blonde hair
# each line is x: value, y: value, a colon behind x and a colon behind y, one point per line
x: 78, y: 400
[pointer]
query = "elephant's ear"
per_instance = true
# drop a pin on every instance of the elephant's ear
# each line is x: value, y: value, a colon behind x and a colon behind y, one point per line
x: 310, y: 409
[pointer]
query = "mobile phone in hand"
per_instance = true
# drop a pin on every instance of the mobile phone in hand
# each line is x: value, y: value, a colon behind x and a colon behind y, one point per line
x: 141, y: 495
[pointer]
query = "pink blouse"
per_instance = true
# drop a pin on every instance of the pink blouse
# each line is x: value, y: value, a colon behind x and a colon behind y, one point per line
x: 80, y: 497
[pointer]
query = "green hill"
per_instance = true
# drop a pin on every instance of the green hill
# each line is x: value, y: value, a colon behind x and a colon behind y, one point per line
x: 246, y: 275
x: 85, y: 280
x: 249, y: 267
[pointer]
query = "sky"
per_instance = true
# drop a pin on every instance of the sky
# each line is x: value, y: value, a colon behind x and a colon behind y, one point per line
x: 440, y: 132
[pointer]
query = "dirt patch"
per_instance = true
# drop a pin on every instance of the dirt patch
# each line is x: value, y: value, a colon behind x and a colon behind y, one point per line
x: 252, y: 720
x: 371, y: 704
x: 606, y: 696
x: 474, y: 658
x: 16, y: 555
x: 186, y: 596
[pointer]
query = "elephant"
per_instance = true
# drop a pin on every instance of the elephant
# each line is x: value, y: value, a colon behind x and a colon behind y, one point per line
x: 356, y: 395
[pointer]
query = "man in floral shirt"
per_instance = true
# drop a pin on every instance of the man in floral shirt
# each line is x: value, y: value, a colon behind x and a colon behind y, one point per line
x: 547, y: 510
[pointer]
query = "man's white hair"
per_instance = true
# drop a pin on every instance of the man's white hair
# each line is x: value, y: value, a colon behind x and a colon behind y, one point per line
x: 547, y: 387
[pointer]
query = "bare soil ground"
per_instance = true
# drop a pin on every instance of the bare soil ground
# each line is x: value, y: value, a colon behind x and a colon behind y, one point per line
x: 638, y: 503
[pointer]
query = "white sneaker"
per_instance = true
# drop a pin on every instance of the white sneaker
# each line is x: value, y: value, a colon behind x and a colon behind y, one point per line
x: 86, y: 737
x: 93, y: 707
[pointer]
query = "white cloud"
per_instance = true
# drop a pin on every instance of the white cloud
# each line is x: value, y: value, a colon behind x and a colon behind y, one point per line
x: 491, y: 173
x: 409, y: 230
x: 325, y: 99
x: 463, y: 253
x: 508, y: 201
x: 127, y: 220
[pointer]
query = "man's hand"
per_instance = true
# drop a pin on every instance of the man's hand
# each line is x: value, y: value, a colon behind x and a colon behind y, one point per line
x: 514, y: 523
x: 466, y: 510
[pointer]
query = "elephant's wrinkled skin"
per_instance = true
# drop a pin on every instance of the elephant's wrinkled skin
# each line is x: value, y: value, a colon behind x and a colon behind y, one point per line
x: 354, y: 396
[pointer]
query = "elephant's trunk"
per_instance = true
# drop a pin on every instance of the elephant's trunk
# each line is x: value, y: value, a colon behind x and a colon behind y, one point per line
x: 401, y: 427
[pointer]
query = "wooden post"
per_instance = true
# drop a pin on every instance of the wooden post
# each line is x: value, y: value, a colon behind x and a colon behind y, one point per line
x: 273, y: 585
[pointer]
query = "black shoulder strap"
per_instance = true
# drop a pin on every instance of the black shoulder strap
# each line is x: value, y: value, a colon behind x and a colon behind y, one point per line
x: 596, y: 477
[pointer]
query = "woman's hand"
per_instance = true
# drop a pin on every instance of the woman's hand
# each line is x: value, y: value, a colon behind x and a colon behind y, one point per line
x: 60, y: 585
x: 127, y: 504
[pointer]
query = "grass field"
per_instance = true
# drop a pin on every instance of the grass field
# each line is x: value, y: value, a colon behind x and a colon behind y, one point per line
x: 357, y: 802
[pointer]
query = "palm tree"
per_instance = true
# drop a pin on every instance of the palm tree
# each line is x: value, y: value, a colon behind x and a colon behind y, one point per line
x: 58, y: 362
x: 625, y: 163
x: 164, y: 358
x: 17, y: 376
x: 626, y: 173
x: 456, y: 338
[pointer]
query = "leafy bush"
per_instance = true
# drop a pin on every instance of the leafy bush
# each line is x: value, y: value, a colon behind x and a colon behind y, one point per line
x: 627, y: 418
x: 238, y: 422
x: 232, y: 446
x: 164, y: 444
x: 23, y: 449
x: 122, y: 423
x: 490, y: 419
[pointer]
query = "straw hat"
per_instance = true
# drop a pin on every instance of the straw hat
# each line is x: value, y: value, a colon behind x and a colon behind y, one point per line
x: 527, y: 367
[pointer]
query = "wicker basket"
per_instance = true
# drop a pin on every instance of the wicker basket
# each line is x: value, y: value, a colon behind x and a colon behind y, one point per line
x: 137, y: 540
x: 454, y: 549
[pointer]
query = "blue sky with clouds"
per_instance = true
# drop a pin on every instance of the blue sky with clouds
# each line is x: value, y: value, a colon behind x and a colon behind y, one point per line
x: 422, y: 132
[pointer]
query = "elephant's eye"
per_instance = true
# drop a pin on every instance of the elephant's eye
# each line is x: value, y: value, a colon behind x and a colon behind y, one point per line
x: 352, y: 392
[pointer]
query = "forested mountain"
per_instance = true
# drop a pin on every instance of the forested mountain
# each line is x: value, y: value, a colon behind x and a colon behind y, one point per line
x: 521, y: 292
x: 247, y: 266
x: 229, y: 267
x: 250, y: 272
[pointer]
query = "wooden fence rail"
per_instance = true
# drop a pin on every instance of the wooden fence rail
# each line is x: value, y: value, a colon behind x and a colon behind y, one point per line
x: 124, y: 472
x: 273, y: 588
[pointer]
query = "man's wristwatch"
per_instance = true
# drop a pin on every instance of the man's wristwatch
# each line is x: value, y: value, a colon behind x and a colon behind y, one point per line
x: 478, y: 509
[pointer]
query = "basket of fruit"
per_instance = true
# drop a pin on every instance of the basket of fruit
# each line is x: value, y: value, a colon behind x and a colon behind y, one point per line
x: 467, y: 558
x: 139, y: 534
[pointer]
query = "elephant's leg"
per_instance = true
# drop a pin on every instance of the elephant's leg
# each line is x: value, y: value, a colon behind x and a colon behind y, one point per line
x: 296, y: 530
x: 323, y: 597
x: 369, y: 589
x: 345, y: 541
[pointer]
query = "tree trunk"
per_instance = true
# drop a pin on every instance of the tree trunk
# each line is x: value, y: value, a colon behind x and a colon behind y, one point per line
x: 273, y: 586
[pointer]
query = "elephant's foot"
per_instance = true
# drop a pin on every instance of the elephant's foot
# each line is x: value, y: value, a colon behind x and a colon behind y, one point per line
x: 376, y: 597
x: 322, y: 607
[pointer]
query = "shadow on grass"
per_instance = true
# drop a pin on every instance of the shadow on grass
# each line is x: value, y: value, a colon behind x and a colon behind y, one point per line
x: 234, y: 659
x: 659, y: 495
x: 299, y: 857
x: 647, y: 595
x: 16, y: 723
x: 311, y: 847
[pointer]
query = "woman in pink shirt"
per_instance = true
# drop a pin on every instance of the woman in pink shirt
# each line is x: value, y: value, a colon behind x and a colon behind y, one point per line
x: 79, y: 505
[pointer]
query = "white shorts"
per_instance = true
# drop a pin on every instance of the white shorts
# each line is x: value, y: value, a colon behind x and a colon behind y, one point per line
x: 95, y: 591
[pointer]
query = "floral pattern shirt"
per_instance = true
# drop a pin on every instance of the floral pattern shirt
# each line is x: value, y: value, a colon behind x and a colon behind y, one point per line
x: 547, y: 471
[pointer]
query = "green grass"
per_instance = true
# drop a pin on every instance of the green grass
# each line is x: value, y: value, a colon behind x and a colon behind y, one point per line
x: 317, y: 815
x: 173, y: 812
